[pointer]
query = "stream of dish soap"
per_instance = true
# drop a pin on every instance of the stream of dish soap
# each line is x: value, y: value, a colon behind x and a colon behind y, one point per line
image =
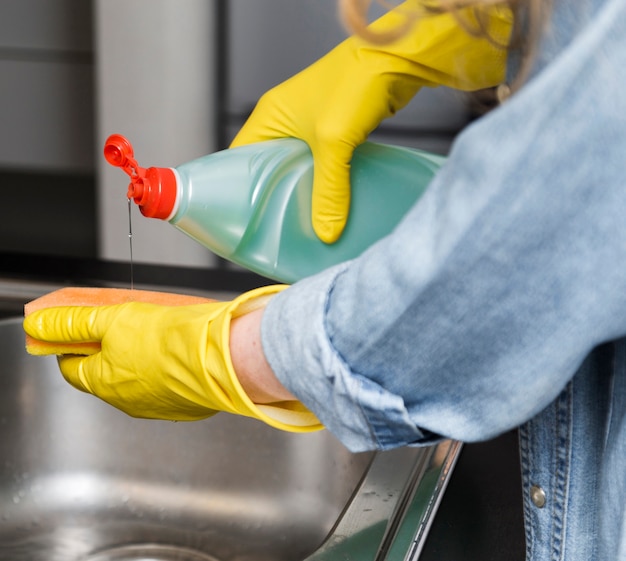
x: 130, y: 244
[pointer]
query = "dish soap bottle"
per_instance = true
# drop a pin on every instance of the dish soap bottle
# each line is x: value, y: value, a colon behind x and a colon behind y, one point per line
x: 252, y: 204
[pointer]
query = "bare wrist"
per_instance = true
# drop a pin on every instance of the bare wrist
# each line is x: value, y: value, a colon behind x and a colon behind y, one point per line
x: 251, y: 367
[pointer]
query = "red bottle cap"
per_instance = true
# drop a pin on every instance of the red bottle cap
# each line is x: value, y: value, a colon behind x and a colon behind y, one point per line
x: 153, y: 189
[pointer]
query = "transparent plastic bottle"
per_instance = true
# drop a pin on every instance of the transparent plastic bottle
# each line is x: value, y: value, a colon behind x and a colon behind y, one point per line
x: 252, y: 204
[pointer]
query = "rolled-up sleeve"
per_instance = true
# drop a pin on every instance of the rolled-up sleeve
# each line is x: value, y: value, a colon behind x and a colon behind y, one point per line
x: 475, y: 312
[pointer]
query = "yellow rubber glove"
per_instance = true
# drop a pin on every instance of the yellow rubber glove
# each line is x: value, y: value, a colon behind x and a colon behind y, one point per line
x: 336, y: 102
x: 163, y: 362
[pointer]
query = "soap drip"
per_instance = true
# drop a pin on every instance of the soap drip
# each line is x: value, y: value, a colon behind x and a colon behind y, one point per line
x: 130, y: 243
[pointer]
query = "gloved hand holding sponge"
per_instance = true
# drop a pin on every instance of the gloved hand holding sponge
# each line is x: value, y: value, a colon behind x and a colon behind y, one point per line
x: 335, y: 103
x: 174, y: 362
x: 163, y: 362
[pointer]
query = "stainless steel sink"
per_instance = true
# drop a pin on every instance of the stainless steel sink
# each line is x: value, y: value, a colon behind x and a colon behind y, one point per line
x: 81, y: 481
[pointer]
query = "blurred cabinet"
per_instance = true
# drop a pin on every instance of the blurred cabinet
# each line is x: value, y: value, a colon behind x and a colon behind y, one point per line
x: 46, y: 98
x: 47, y: 128
x: 50, y: 25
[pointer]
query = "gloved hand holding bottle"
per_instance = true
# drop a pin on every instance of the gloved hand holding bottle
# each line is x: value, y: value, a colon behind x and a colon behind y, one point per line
x: 164, y: 362
x: 335, y: 103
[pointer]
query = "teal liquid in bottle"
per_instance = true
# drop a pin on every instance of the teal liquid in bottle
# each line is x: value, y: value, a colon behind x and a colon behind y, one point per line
x: 252, y: 204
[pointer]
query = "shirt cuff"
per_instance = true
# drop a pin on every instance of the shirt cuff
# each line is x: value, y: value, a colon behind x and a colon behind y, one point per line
x: 358, y: 411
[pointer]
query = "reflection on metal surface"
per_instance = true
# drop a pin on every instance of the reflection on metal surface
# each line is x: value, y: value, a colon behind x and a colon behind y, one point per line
x: 389, y: 517
x: 81, y: 481
x: 149, y: 552
x: 421, y: 502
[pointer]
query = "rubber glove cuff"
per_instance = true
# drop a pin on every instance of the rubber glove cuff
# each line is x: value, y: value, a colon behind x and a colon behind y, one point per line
x: 290, y: 415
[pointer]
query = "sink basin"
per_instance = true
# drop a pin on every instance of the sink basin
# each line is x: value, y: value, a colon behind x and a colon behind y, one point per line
x: 81, y: 481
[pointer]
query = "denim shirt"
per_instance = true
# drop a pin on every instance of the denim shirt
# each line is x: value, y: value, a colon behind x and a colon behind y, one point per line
x: 500, y: 300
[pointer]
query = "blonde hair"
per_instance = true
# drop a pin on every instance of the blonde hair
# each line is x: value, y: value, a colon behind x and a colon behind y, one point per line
x: 530, y: 16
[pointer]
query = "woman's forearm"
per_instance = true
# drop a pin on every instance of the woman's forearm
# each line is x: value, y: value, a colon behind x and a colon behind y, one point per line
x: 248, y: 359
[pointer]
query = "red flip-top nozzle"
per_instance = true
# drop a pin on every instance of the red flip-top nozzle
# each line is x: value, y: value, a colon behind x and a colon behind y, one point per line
x: 153, y: 189
x: 118, y: 151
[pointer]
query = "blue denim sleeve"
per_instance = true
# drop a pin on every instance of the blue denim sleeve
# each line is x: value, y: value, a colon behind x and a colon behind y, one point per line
x: 475, y: 312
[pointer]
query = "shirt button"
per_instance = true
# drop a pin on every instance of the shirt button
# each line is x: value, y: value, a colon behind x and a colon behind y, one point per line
x: 538, y: 496
x: 503, y: 92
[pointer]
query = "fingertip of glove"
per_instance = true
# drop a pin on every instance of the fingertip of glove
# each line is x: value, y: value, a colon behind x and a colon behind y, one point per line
x: 328, y: 232
x: 70, y: 366
x: 32, y: 323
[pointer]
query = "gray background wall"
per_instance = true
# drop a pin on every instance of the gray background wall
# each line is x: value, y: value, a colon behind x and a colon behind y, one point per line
x: 178, y: 77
